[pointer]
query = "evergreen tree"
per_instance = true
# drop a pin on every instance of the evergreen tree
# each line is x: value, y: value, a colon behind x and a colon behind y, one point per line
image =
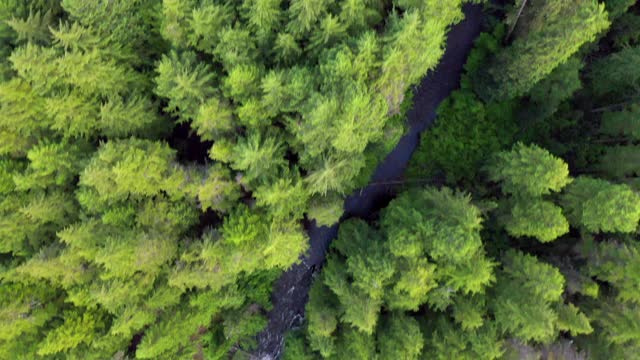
x: 259, y: 157
x: 620, y: 162
x: 185, y: 82
x: 600, y: 206
x: 77, y: 329
x: 325, y: 210
x: 612, y: 262
x: 540, y: 219
x: 51, y: 164
x: 527, y: 294
x: 529, y: 171
x: 133, y: 167
x: 617, y: 7
x: 444, y: 341
x: 624, y: 123
x: 615, y: 74
x: 549, y: 32
x: 399, y: 338
x: 218, y: 190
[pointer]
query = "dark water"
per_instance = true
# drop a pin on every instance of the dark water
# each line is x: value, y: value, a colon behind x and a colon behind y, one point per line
x: 290, y: 292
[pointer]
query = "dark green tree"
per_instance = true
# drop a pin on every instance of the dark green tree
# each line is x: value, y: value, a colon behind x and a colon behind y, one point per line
x: 547, y: 34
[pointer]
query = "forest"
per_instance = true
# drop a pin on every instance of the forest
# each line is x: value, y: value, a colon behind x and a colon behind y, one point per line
x: 161, y: 162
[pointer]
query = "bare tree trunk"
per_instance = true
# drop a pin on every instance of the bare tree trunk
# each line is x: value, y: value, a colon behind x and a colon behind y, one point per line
x: 515, y: 22
x: 615, y: 106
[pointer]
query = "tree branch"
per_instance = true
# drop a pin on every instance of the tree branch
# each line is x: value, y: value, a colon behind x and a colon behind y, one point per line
x: 515, y: 22
x: 613, y: 106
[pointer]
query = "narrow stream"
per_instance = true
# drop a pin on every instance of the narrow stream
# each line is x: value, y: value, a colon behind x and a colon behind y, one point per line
x: 290, y: 292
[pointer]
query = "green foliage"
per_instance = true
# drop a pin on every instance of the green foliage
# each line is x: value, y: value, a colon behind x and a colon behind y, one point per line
x: 526, y: 292
x: 547, y: 96
x: 622, y: 123
x: 295, y: 347
x: 300, y: 99
x: 354, y: 344
x: 326, y: 210
x: 214, y: 120
x: 34, y: 28
x: 540, y: 219
x: 442, y: 213
x: 243, y: 226
x: 600, y: 206
x: 133, y: 167
x: 133, y: 116
x: 218, y: 190
x: 621, y: 161
x: 549, y: 33
x: 626, y: 31
x: 399, y: 338
x: 466, y: 132
x: 615, y: 74
x: 485, y: 45
x: 51, y: 164
x: 109, y: 236
x: 362, y: 297
x: 172, y: 333
x: 528, y: 171
x: 618, y: 332
x: 259, y: 157
x: 287, y: 197
x: 25, y: 309
x: 22, y: 120
x: 615, y: 8
x: 612, y: 262
x: 76, y: 329
x: 516, y: 305
x: 322, y: 318
x: 428, y: 246
x: 334, y: 175
x: 406, y: 61
x: 445, y: 341
x: 185, y: 82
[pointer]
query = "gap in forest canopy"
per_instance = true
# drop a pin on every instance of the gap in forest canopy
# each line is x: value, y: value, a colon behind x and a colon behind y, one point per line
x: 189, y: 145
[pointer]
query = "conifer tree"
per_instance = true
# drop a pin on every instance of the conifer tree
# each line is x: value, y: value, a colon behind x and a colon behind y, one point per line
x: 600, y: 206
x: 527, y: 293
x: 549, y: 32
x: 108, y: 234
x: 540, y: 219
x: 399, y: 338
x: 133, y: 167
x: 445, y: 341
x: 612, y: 262
x: 624, y: 123
x: 529, y: 171
x: 218, y: 190
x: 620, y: 162
x: 185, y: 82
x: 615, y: 74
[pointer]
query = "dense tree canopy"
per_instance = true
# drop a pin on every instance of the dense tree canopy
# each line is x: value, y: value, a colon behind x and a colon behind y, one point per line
x: 112, y: 234
x: 548, y: 156
x: 160, y: 161
x: 546, y: 34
